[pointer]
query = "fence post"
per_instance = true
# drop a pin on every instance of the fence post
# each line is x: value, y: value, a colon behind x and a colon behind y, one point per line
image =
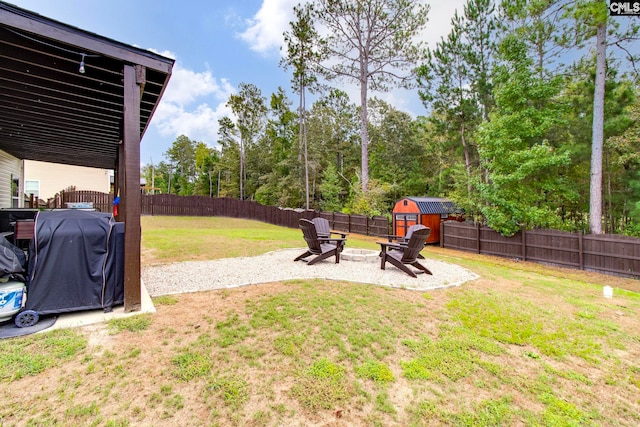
x: 477, y: 237
x: 524, y: 244
x: 442, y: 233
x: 580, y: 250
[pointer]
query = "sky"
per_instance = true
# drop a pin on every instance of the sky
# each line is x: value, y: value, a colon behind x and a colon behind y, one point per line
x: 217, y: 44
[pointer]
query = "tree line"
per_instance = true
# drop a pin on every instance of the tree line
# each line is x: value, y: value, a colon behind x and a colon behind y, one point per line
x: 531, y: 117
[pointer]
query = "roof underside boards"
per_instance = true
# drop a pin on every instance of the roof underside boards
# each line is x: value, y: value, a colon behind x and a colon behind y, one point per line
x: 434, y: 205
x: 51, y: 112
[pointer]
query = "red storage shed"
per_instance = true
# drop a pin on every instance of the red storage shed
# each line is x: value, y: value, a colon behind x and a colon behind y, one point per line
x: 428, y: 211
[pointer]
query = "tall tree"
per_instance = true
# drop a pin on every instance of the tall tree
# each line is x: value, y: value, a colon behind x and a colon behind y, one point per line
x: 330, y: 190
x: 595, y: 195
x: 619, y: 163
x: 229, y: 166
x: 625, y: 149
x: 397, y: 157
x: 540, y: 27
x: 182, y: 157
x: 301, y: 57
x: 207, y: 160
x: 524, y: 168
x: 248, y: 107
x: 159, y: 174
x: 447, y: 88
x: 277, y: 160
x: 333, y: 138
x: 593, y: 15
x: 479, y: 30
x: 372, y: 43
x: 593, y: 21
x: 455, y: 78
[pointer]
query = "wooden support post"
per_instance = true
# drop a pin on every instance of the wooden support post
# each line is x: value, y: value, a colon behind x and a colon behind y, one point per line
x: 477, y: 237
x: 130, y: 194
x: 524, y: 244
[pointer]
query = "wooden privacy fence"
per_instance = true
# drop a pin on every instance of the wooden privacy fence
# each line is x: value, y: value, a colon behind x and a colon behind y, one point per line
x: 606, y: 253
x: 102, y: 202
x: 171, y: 204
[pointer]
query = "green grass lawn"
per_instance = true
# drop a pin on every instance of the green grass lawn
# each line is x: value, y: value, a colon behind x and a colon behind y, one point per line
x: 172, y: 239
x: 523, y: 345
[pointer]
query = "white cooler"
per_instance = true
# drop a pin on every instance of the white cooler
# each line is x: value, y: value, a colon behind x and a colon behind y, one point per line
x: 11, y: 295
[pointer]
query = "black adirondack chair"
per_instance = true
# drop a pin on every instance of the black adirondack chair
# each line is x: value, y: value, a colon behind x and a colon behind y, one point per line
x: 321, y: 247
x: 323, y: 228
x: 404, y: 240
x: 403, y: 255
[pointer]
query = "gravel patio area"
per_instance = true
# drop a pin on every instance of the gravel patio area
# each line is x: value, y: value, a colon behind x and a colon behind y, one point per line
x: 193, y: 276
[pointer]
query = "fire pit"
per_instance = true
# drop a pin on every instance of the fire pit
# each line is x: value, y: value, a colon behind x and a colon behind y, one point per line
x: 362, y: 255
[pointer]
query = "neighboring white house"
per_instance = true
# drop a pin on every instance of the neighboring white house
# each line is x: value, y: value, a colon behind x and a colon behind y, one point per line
x: 10, y: 181
x: 44, y: 180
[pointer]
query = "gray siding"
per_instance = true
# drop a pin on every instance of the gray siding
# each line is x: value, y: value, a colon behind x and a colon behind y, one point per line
x: 9, y: 166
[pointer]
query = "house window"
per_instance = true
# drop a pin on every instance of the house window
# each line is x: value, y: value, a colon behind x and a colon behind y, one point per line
x: 408, y: 217
x: 32, y: 187
x: 15, y: 192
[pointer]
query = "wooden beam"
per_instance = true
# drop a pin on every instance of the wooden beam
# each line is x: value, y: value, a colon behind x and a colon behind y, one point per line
x: 130, y: 201
x: 141, y: 79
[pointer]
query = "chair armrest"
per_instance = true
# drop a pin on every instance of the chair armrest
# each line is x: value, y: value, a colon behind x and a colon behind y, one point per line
x: 343, y: 234
x: 385, y: 245
x: 389, y: 244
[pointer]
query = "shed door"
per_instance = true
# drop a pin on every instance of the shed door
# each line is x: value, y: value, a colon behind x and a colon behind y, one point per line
x: 403, y: 221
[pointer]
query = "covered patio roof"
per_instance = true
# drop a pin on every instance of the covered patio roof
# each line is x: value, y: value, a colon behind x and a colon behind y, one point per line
x: 74, y: 97
x: 49, y: 110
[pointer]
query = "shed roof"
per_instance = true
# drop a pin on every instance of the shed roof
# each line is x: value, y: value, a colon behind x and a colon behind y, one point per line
x: 49, y: 110
x: 434, y: 205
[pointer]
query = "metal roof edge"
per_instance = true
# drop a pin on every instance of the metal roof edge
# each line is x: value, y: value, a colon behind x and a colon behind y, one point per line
x: 428, y: 199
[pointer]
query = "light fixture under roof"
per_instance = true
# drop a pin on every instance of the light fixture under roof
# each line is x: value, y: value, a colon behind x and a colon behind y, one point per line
x: 81, y: 69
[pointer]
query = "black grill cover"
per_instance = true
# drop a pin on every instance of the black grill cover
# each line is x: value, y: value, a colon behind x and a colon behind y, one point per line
x: 75, y: 262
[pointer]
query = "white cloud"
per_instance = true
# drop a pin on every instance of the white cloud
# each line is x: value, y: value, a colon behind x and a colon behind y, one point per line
x: 265, y: 30
x: 192, y: 104
x: 199, y: 124
x: 440, y: 14
x: 185, y: 86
